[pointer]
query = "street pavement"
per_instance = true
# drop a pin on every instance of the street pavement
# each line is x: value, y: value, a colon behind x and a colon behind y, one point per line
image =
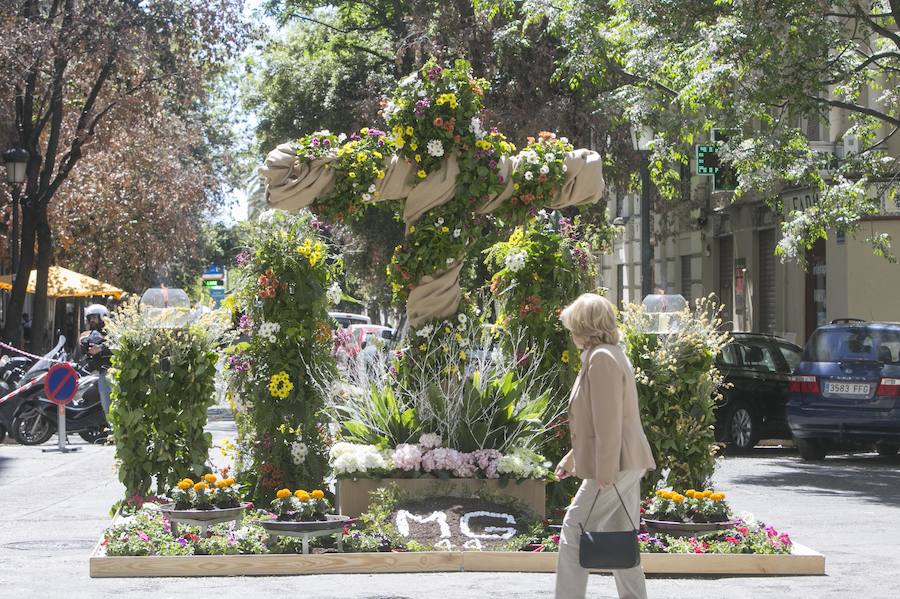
x: 53, y: 509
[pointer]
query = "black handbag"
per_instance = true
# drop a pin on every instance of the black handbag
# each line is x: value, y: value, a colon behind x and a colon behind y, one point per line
x: 609, y: 550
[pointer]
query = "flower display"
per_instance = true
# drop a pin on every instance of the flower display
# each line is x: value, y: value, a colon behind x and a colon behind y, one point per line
x: 269, y: 331
x: 690, y: 506
x: 334, y: 293
x: 299, y: 451
x: 430, y: 441
x: 209, y: 493
x: 280, y: 385
x: 351, y: 459
x: 745, y: 537
x: 407, y: 457
x: 522, y: 463
x: 515, y: 261
x: 300, y: 505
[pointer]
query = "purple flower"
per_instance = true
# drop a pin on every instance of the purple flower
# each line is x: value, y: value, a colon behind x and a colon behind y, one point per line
x: 142, y: 535
x: 314, y: 141
x: 326, y: 142
x: 565, y: 226
x: 355, y: 137
x: 486, y: 460
x: 581, y: 258
x: 246, y: 322
x: 434, y: 72
x: 242, y: 258
x: 182, y: 541
x: 421, y: 105
x: 492, y: 164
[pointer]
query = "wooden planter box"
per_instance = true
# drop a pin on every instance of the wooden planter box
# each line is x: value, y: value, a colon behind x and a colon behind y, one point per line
x: 353, y: 494
x: 803, y: 561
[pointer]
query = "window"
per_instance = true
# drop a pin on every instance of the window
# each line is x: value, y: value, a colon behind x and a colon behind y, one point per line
x: 758, y: 356
x: 791, y: 356
x: 730, y: 356
x: 856, y: 343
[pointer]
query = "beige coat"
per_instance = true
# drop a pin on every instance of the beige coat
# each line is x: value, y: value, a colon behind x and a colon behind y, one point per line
x: 604, y: 420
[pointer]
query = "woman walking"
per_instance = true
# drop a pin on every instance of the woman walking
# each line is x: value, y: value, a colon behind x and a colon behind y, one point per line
x: 609, y: 449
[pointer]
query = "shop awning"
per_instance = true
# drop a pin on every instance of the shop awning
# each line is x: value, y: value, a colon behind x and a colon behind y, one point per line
x: 63, y: 282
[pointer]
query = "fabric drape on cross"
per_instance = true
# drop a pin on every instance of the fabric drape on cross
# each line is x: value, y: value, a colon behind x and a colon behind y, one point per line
x: 294, y: 183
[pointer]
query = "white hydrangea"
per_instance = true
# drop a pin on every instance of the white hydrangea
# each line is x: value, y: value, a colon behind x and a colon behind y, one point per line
x: 529, y: 175
x: 299, y: 451
x: 352, y: 458
x: 545, y: 169
x: 334, y: 293
x: 522, y: 463
x: 435, y: 148
x: 269, y: 331
x: 515, y: 261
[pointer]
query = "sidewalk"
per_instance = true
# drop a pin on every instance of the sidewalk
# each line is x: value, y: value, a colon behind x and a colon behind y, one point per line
x: 54, y: 507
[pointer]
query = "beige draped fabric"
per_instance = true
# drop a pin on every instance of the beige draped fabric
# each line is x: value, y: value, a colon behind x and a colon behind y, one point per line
x: 293, y: 184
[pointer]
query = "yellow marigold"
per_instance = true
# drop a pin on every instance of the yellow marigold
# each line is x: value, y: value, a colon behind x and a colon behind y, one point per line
x: 221, y: 484
x: 210, y: 478
x: 283, y: 493
x: 185, y: 484
x: 201, y: 486
x: 318, y: 494
x: 717, y: 496
x: 707, y: 494
x: 229, y: 481
x: 302, y: 495
x: 690, y: 493
x: 677, y: 497
x: 660, y: 493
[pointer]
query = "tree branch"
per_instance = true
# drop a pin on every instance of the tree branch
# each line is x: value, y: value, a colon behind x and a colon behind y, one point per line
x: 879, y: 28
x: 857, y: 108
x: 881, y: 141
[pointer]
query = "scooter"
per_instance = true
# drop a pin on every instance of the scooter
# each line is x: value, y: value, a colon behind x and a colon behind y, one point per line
x: 18, y: 376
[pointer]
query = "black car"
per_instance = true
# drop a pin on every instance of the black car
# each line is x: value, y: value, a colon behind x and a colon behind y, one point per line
x: 758, y: 368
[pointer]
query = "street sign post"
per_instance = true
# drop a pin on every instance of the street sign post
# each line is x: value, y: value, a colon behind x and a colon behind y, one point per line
x: 710, y: 163
x: 61, y: 386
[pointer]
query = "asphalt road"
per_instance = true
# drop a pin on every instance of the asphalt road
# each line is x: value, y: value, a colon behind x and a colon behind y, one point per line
x: 54, y: 507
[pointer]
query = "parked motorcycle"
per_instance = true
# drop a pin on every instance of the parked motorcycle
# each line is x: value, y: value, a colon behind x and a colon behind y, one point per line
x: 16, y: 374
x: 34, y: 416
x: 12, y: 369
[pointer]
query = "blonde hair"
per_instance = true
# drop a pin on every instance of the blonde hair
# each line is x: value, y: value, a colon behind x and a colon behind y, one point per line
x: 592, y: 320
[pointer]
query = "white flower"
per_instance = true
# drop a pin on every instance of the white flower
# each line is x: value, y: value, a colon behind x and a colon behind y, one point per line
x: 549, y: 156
x: 565, y: 140
x: 372, y: 188
x: 450, y: 261
x: 366, y: 197
x: 515, y: 261
x: 475, y: 125
x: 457, y: 233
x: 435, y: 148
x: 269, y: 331
x: 440, y: 221
x: 462, y: 318
x: 342, y: 137
x: 522, y: 463
x: 425, y: 331
x: 334, y: 293
x: 545, y: 169
x: 352, y: 458
x: 323, y: 133
x: 531, y: 157
x: 389, y: 109
x: 267, y: 217
x: 529, y: 175
x: 565, y: 167
x: 299, y: 451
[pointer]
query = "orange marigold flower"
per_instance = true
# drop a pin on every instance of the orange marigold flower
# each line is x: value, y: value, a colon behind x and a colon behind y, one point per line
x: 283, y: 493
x: 210, y: 478
x: 318, y: 494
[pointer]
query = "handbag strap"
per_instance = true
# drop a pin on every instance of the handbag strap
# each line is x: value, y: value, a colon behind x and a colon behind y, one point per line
x: 596, y: 497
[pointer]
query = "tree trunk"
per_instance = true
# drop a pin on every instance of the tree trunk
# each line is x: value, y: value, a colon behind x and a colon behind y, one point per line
x: 13, y: 328
x: 40, y: 336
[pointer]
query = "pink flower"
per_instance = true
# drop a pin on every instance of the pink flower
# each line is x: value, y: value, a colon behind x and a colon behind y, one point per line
x: 430, y: 441
x: 486, y: 460
x: 407, y: 457
x: 142, y: 535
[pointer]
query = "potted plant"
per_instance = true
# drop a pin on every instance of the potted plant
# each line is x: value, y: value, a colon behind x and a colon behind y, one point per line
x: 689, y: 513
x: 210, y: 500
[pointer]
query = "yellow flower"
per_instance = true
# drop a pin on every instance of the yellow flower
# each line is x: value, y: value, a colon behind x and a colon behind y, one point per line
x: 302, y: 495
x: 380, y: 174
x: 717, y: 496
x: 283, y: 493
x: 516, y: 186
x: 185, y: 484
x: 399, y: 142
x: 445, y: 230
x: 565, y: 357
x: 352, y: 175
x: 462, y: 355
x: 229, y: 482
x: 317, y: 494
x: 221, y: 484
x: 418, y: 156
x: 423, y: 347
x: 414, y: 146
x: 517, y: 236
x: 412, y: 229
x: 707, y: 494
x: 364, y: 130
x: 376, y: 154
x: 661, y: 493
x: 201, y: 486
x: 421, y: 174
x: 678, y: 498
x: 409, y: 130
x: 280, y: 385
x: 297, y: 493
x: 210, y: 478
x: 690, y: 493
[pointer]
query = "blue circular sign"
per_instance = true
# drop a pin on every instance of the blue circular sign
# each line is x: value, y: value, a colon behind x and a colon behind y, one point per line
x: 61, y: 383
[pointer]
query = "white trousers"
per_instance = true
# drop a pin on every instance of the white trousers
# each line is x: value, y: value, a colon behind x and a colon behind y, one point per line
x: 607, y: 516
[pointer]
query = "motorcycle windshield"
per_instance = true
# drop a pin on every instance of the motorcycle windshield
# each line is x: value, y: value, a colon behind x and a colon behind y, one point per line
x: 45, y: 362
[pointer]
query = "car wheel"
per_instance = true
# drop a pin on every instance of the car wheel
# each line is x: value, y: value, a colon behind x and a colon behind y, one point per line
x: 811, y: 450
x: 743, y: 427
x: 886, y: 450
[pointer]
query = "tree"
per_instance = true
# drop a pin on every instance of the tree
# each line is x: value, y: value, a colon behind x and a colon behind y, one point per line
x: 757, y: 68
x: 78, y: 67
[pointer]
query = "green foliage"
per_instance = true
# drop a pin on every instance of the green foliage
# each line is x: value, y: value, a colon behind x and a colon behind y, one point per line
x: 281, y: 304
x: 384, y: 423
x: 678, y: 384
x: 163, y: 384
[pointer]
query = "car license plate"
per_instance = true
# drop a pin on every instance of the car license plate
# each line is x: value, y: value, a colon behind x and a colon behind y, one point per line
x: 848, y: 388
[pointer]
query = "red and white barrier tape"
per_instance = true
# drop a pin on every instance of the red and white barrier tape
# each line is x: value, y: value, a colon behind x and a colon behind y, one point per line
x: 29, y: 355
x: 24, y: 387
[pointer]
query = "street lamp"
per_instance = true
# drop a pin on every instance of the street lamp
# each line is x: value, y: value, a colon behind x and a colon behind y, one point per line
x: 16, y: 162
x: 642, y: 141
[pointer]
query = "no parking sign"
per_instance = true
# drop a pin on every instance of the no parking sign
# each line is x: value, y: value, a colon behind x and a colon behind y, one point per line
x: 61, y: 384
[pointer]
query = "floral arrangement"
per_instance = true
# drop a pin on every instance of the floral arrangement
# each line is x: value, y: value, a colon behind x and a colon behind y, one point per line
x: 538, y: 175
x: 428, y: 458
x: 208, y: 493
x: 358, y: 166
x: 676, y: 374
x: 692, y: 506
x: 287, y: 279
x: 747, y: 536
x: 300, y: 506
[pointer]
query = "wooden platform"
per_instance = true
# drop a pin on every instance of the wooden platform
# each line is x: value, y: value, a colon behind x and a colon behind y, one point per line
x: 803, y: 561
